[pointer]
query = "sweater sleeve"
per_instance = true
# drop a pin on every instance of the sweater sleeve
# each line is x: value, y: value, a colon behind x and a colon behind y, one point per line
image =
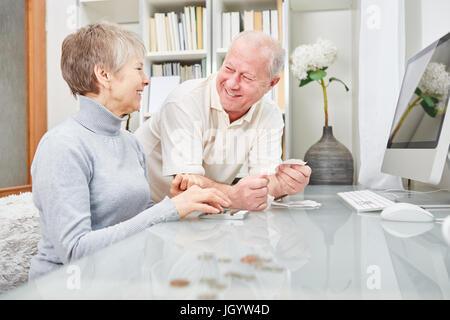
x: 61, y: 174
x: 143, y: 162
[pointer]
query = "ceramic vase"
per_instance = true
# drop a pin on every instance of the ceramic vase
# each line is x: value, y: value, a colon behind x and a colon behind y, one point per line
x: 331, y: 162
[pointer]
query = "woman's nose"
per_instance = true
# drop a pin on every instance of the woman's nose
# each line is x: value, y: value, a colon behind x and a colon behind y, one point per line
x: 146, y: 80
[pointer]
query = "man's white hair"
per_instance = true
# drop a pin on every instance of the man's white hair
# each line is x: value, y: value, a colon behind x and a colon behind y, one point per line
x: 261, y: 40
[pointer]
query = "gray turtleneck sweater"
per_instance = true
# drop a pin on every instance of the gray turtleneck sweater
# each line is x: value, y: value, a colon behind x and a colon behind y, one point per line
x: 90, y: 187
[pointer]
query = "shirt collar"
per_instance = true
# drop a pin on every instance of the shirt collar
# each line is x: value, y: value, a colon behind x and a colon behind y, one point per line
x: 215, y: 102
x: 97, y: 118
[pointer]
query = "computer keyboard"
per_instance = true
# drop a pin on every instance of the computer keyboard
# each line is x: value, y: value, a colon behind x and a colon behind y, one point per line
x: 365, y: 200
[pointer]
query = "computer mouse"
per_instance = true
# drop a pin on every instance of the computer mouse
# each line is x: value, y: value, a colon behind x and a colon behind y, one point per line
x: 406, y: 229
x: 406, y: 212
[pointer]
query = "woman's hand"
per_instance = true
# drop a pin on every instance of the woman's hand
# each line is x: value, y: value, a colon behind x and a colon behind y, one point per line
x: 208, y: 200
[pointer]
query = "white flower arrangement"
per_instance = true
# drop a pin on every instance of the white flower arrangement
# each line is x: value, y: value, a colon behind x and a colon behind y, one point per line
x: 311, y: 57
x: 309, y: 62
x: 431, y: 93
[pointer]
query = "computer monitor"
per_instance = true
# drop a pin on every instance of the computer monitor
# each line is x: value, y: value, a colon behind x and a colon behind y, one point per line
x: 418, y: 144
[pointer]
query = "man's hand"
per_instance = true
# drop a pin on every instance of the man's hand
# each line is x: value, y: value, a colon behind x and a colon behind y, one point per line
x: 292, y: 178
x: 208, y: 200
x: 182, y: 182
x: 250, y: 193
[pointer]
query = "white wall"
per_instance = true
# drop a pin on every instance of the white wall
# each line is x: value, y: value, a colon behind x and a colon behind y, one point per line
x: 426, y: 21
x: 435, y: 20
x: 306, y: 105
x: 61, y: 21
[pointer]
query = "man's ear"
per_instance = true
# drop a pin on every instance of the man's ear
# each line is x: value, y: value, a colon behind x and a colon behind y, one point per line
x: 103, y: 77
x: 274, y: 81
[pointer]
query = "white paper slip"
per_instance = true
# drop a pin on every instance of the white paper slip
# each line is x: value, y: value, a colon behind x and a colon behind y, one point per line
x: 270, y: 199
x: 160, y: 88
x: 294, y: 161
x: 297, y: 204
x: 227, y: 215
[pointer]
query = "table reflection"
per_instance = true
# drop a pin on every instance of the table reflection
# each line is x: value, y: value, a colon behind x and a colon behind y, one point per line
x: 420, y: 259
x: 329, y: 252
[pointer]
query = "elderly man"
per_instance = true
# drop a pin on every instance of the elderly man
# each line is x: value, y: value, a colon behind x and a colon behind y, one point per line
x: 207, y: 129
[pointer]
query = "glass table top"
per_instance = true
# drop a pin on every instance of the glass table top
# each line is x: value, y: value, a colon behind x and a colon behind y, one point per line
x: 329, y: 252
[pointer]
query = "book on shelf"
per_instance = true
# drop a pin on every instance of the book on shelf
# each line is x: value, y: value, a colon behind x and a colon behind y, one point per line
x: 248, y: 20
x: 235, y: 25
x: 153, y: 46
x: 172, y: 31
x: 193, y: 28
x: 199, y: 21
x: 185, y: 20
x: 257, y: 21
x: 274, y: 24
x: 266, y: 22
x: 203, y: 67
x: 205, y: 28
x: 282, y: 9
x: 182, y: 39
x: 160, y: 32
x: 168, y: 34
x: 175, y: 33
x: 226, y: 29
x: 156, y: 70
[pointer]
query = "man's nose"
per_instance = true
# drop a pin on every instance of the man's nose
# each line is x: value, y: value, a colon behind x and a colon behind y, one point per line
x: 233, y: 81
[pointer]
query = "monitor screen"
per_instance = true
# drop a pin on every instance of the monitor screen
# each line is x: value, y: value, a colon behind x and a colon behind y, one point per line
x: 423, y: 100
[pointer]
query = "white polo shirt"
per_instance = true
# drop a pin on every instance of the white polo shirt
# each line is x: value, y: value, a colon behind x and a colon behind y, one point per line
x: 192, y: 133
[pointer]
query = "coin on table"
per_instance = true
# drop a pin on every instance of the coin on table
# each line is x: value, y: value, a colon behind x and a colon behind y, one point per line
x: 250, y: 258
x: 179, y: 283
x: 240, y: 276
x: 207, y: 296
x: 277, y: 269
x: 207, y: 280
x: 206, y: 256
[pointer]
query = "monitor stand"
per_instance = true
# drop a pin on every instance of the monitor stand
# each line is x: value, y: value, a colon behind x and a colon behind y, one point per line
x: 430, y: 200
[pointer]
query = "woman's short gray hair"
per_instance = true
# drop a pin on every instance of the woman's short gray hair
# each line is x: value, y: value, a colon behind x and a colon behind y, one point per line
x: 104, y: 44
x: 262, y: 40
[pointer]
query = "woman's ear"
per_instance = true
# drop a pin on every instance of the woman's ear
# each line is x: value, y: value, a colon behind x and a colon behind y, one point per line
x: 103, y: 77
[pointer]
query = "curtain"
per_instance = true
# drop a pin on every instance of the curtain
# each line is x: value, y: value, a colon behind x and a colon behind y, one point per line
x: 381, y: 67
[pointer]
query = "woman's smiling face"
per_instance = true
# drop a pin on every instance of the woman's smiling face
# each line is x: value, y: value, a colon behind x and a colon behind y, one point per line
x: 127, y: 87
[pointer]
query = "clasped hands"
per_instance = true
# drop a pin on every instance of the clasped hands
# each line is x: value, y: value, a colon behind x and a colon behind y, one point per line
x: 251, y: 192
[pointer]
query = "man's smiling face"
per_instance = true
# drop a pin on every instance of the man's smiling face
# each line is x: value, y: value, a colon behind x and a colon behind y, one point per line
x: 243, y: 78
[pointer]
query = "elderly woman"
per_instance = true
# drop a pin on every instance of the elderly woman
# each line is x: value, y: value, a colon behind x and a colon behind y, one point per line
x: 90, y: 176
